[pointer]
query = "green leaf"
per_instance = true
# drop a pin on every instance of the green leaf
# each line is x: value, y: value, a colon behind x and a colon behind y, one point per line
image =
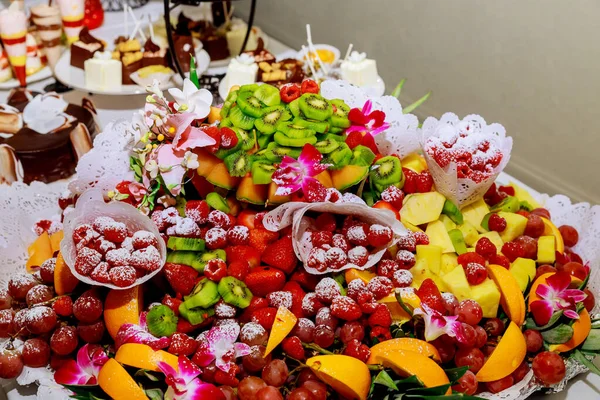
x: 398, y: 88
x: 416, y: 104
x: 144, y: 373
x: 558, y: 335
x: 435, y: 391
x: 592, y: 343
x: 407, y: 383
x: 578, y: 355
x: 454, y: 374
x: 585, y: 282
x: 530, y: 323
x: 383, y: 378
x: 154, y: 394
x: 193, y: 72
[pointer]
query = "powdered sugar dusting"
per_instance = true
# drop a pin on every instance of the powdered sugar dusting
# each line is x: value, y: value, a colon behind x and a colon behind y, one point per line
x: 280, y: 299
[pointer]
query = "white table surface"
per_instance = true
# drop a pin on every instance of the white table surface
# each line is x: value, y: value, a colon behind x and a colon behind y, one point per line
x: 110, y: 108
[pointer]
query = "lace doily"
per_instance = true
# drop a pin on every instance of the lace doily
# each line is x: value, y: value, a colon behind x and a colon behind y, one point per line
x: 401, y: 138
x: 464, y: 191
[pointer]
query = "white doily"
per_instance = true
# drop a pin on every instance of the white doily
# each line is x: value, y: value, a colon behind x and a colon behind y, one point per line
x: 401, y: 138
x: 462, y: 192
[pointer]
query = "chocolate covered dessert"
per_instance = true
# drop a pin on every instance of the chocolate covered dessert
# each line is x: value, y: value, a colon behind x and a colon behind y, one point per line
x: 184, y: 49
x: 131, y: 62
x: 153, y: 54
x: 43, y: 146
x: 84, y: 48
x: 215, y: 44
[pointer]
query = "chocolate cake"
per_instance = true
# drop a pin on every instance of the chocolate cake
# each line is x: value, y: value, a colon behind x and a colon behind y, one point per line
x: 84, y: 48
x: 215, y: 44
x: 44, y: 156
x: 184, y: 46
x: 153, y: 54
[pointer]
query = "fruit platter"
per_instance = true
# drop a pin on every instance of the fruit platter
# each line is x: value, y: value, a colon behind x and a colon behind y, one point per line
x: 305, y: 242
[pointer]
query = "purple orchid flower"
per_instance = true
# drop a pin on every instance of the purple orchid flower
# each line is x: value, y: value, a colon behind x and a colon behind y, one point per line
x: 556, y: 296
x: 365, y: 120
x: 84, y: 371
x: 186, y: 136
x: 437, y: 324
x: 132, y: 333
x: 184, y: 384
x: 219, y: 345
x: 293, y: 175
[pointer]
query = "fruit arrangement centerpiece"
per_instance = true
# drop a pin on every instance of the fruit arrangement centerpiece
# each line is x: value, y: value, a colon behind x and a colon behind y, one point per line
x: 307, y: 243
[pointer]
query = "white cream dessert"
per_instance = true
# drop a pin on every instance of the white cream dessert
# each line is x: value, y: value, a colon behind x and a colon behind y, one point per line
x: 102, y: 72
x: 359, y: 70
x: 237, y: 34
x: 34, y: 62
x: 5, y: 71
x: 242, y: 70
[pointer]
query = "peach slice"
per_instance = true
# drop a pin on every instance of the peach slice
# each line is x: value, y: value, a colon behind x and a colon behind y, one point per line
x: 39, y: 251
x: 551, y: 230
x: 55, y: 240
x: 407, y: 363
x: 353, y: 273
x: 512, y: 300
x: 143, y: 356
x: 347, y: 375
x: 284, y: 323
x: 507, y: 356
x: 581, y: 329
x: 398, y: 313
x: 416, y: 345
x: 64, y: 280
x: 117, y: 383
x: 122, y: 307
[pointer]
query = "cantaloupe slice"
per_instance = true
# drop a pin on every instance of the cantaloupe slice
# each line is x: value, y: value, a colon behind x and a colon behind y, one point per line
x: 39, y: 251
x: 348, y: 176
x: 219, y: 176
x: 325, y: 179
x: 207, y: 162
x: 250, y: 192
x: 273, y: 198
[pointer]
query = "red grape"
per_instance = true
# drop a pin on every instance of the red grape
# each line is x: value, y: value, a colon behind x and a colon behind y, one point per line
x: 253, y: 334
x: 305, y: 330
x: 40, y: 319
x: 64, y: 340
x: 323, y: 336
x: 466, y: 384
x: 450, y: 302
x: 20, y: 322
x: 529, y: 246
x: 38, y: 294
x: 249, y: 387
x: 300, y: 394
x: 228, y: 392
x: 589, y: 301
x: 544, y: 269
x: 534, y: 340
x: 446, y: 347
x: 473, y: 358
x: 5, y: 299
x: 469, y: 337
x: 500, y: 384
x: 488, y: 349
x: 548, y: 367
x: 255, y: 361
x: 57, y: 361
x: 575, y: 269
x: 19, y: 285
x: 47, y: 271
x: 569, y: 234
x: 36, y: 353
x: 520, y: 372
x: 91, y: 333
x: 324, y: 317
x: 469, y: 311
x: 352, y: 330
x: 481, y: 338
x: 87, y: 308
x: 11, y: 364
x: 317, y: 388
x: 494, y: 326
x: 306, y: 374
x: 7, y: 327
x: 275, y: 373
x: 535, y: 226
x: 269, y: 393
x: 542, y: 212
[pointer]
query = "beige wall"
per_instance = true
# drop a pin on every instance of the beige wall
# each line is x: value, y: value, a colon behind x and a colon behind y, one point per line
x: 531, y: 65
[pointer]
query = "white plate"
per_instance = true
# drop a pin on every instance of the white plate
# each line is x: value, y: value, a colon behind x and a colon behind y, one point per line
x: 377, y: 90
x: 336, y: 52
x: 42, y: 74
x: 225, y: 62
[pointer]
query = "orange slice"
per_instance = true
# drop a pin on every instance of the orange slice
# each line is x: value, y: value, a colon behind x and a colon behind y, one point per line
x: 396, y: 310
x: 512, y: 300
x: 55, y: 240
x: 64, y: 280
x: 117, y: 383
x: 143, y: 356
x: 581, y: 330
x: 551, y: 230
x: 507, y: 356
x: 284, y: 323
x: 122, y: 307
x: 418, y: 346
x: 347, y: 375
x: 39, y: 251
x: 352, y: 274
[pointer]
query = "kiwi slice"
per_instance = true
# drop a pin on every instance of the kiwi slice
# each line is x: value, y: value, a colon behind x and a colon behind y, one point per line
x: 340, y: 157
x: 362, y: 155
x: 251, y: 88
x: 186, y: 244
x: 275, y: 153
x: 295, y: 108
x: 315, y: 106
x: 229, y: 102
x: 203, y: 295
x: 339, y: 118
x: 238, y: 163
x: 161, y: 321
x: 264, y: 140
x: 180, y: 203
x: 284, y: 140
x: 217, y: 202
x: 335, y: 129
x: 327, y: 136
x: 250, y: 105
x: 203, y: 258
x: 262, y: 172
x: 195, y: 316
x: 234, y: 292
x: 241, y: 120
x: 272, y: 116
x: 188, y: 258
x: 225, y: 123
x: 268, y: 94
x: 327, y: 146
x: 386, y: 171
x: 317, y: 126
x: 291, y: 130
x: 246, y: 140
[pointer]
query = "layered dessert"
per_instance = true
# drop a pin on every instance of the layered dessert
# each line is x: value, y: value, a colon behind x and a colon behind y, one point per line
x: 13, y: 32
x: 45, y: 134
x: 34, y: 61
x: 102, y: 72
x: 48, y: 26
x: 242, y: 70
x: 215, y: 44
x: 84, y: 48
x: 72, y: 12
x: 5, y: 71
x: 154, y: 54
x: 184, y: 49
x: 359, y: 70
x: 130, y: 63
x: 236, y: 35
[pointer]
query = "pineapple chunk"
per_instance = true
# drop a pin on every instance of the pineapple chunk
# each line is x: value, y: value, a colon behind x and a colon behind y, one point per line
x: 438, y: 236
x: 523, y: 195
x: 421, y: 208
x: 448, y: 223
x: 488, y: 297
x: 411, y: 227
x: 546, y: 253
x: 469, y: 233
x: 457, y: 283
x: 415, y: 162
x: 431, y: 256
x: 449, y: 261
x: 494, y: 238
x: 474, y: 213
x: 515, y: 226
x: 523, y: 269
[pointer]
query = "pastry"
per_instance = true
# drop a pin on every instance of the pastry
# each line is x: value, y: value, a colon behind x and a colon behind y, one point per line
x: 260, y: 53
x: 282, y: 72
x: 5, y: 72
x: 34, y: 62
x: 359, y: 70
x: 49, y: 29
x: 154, y: 55
x: 242, y: 70
x: 236, y: 35
x: 128, y: 45
x: 72, y: 12
x: 184, y: 47
x: 102, y: 72
x: 131, y: 62
x: 215, y: 44
x: 84, y: 48
x: 13, y: 31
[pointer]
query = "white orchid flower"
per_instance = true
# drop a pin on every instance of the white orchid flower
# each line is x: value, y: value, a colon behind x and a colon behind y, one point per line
x: 166, y: 201
x: 152, y: 167
x: 190, y: 160
x: 192, y: 100
x: 155, y: 88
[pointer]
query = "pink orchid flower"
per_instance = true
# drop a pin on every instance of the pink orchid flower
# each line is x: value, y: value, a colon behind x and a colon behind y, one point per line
x: 365, y: 120
x: 555, y: 295
x: 155, y: 114
x: 219, y: 345
x: 84, y: 371
x: 137, y: 190
x: 185, y: 385
x: 186, y: 136
x: 132, y: 333
x: 293, y: 175
x: 437, y: 324
x: 170, y: 165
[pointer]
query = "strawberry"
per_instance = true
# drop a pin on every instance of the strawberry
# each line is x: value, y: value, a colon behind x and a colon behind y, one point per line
x: 263, y: 280
x: 197, y: 210
x: 410, y: 183
x: 246, y: 218
x: 369, y: 141
x: 172, y: 302
x: 297, y: 296
x: 424, y: 182
x: 306, y: 280
x: 265, y: 317
x: 281, y: 255
x: 261, y: 238
x: 354, y: 139
x: 381, y: 317
x: 228, y: 138
x: 182, y: 345
x: 202, y: 186
x: 238, y: 269
x: 255, y: 304
x: 214, y: 133
x: 325, y: 222
x: 387, y: 206
x: 429, y: 294
x: 293, y: 347
x: 184, y: 326
x: 243, y: 253
x: 180, y: 277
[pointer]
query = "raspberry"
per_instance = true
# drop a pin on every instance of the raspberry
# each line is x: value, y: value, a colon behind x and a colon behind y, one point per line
x: 292, y: 346
x: 476, y: 273
x: 319, y: 238
x: 355, y: 287
x: 380, y: 286
x: 357, y: 235
x: 86, y: 261
x: 496, y: 223
x: 501, y: 260
x: 216, y: 238
x: 358, y: 350
x: 219, y: 219
x: 410, y: 181
x: 387, y: 268
x: 513, y: 250
x: 381, y: 317
x: 354, y: 139
x: 394, y: 196
x: 485, y: 248
x: 100, y: 273
x: 336, y: 258
x: 238, y: 235
x: 402, y: 278
x: 311, y: 304
x: 147, y: 259
x: 215, y: 269
x: 343, y: 307
x: 421, y: 237
x: 197, y: 210
x: 325, y: 222
x: 317, y: 259
x: 379, y: 235
x: 327, y: 289
x: 122, y: 276
x: 239, y: 269
x: 405, y: 259
x: 116, y: 232
x: 63, y: 306
x: 119, y: 257
x: 340, y: 241
x: 182, y: 344
x: 314, y: 191
x: 407, y: 242
x: 470, y: 257
x: 380, y: 333
x: 358, y: 255
x: 424, y: 182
